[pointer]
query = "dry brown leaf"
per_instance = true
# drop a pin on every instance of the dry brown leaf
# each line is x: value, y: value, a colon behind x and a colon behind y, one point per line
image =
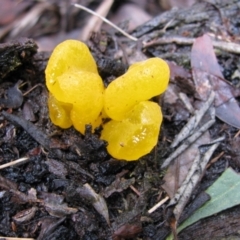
x: 207, y: 77
x: 127, y: 231
x: 25, y: 215
x: 98, y: 201
x: 178, y: 171
x: 55, y: 206
x: 56, y: 167
x: 118, y: 185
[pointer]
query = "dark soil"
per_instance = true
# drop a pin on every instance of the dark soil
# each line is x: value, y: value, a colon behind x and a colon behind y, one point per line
x: 50, y: 196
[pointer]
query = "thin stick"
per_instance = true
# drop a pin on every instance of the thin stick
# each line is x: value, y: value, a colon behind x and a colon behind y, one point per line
x: 31, y: 89
x: 187, y: 143
x: 16, y: 162
x: 106, y: 21
x: 223, y: 45
x: 215, y: 159
x: 135, y: 190
x: 237, y: 134
x: 159, y: 204
x: 94, y: 24
x: 13, y: 238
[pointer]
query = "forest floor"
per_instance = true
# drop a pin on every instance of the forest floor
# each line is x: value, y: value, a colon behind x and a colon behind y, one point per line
x: 59, y: 184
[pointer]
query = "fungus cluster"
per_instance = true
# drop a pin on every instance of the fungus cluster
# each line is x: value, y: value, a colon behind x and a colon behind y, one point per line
x: 77, y: 97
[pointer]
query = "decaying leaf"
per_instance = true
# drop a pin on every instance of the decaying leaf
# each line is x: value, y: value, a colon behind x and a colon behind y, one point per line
x: 55, y: 205
x: 56, y: 167
x: 118, y: 185
x: 178, y: 171
x: 7, y: 184
x: 18, y: 196
x: 207, y: 77
x: 193, y: 177
x: 28, y: 112
x: 127, y: 231
x: 25, y: 215
x: 191, y: 139
x: 97, y: 201
x: 48, y: 226
x: 99, y: 204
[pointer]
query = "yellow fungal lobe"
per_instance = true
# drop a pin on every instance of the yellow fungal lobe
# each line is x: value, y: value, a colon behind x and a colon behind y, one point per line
x: 59, y: 112
x: 136, y: 134
x: 72, y: 78
x: 142, y: 81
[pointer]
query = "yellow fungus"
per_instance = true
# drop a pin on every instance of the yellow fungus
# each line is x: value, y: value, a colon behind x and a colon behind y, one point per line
x: 136, y: 134
x: 72, y: 78
x: 59, y: 112
x: 77, y: 98
x: 142, y: 81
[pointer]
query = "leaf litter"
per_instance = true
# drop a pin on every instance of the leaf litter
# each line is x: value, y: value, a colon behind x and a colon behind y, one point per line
x: 207, y: 77
x: 182, y: 177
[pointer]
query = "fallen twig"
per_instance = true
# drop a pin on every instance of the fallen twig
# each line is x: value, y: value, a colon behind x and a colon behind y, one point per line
x: 188, y: 142
x: 223, y: 45
x: 156, y: 206
x: 15, y: 163
x: 194, y: 175
x: 192, y: 124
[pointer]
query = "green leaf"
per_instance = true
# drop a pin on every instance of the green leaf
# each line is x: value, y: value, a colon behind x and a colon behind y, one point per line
x: 224, y: 194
